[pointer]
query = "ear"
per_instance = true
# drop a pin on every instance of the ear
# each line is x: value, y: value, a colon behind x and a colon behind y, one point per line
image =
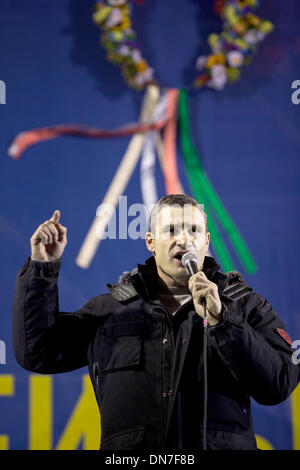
x: 150, y: 242
x: 207, y: 240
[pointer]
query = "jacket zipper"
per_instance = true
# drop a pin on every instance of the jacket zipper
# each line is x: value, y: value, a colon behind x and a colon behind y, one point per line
x: 179, y: 409
x: 163, y: 427
x: 96, y: 376
x: 169, y: 321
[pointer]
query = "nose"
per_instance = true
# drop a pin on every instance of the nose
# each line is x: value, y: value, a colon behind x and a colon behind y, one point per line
x: 183, y: 238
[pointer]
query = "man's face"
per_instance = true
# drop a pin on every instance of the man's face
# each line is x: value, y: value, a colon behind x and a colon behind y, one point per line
x: 178, y: 230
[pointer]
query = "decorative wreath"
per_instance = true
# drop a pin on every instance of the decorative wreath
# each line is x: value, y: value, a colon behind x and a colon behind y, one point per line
x: 230, y: 50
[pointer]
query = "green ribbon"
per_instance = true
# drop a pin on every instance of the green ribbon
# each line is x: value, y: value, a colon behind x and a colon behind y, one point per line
x: 204, y: 193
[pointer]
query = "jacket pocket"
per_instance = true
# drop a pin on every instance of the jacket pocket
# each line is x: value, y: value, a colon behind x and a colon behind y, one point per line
x: 241, y: 442
x: 126, y: 440
x: 127, y: 328
x: 227, y: 440
x: 121, y: 346
x: 126, y: 354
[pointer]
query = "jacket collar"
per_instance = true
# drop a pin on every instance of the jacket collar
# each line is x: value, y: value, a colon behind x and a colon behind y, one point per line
x: 146, y: 277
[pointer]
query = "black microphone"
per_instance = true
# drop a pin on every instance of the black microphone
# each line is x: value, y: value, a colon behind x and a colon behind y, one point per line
x: 190, y: 262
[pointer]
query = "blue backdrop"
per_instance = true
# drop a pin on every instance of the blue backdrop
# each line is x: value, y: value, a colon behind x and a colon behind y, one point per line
x: 248, y: 135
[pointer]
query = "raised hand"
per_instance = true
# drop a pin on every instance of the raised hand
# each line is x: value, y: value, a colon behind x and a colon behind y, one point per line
x: 49, y: 240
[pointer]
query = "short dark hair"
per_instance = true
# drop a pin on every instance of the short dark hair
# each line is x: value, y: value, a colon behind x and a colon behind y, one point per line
x: 172, y: 200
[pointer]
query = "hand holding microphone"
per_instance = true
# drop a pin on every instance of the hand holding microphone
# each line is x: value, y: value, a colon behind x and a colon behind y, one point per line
x: 202, y: 290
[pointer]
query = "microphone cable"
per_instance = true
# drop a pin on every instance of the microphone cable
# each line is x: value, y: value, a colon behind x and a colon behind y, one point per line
x: 204, y: 376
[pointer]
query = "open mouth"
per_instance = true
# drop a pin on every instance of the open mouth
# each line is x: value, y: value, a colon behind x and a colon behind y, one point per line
x: 178, y: 256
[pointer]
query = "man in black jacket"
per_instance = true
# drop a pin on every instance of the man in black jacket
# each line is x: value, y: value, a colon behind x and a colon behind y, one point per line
x: 143, y: 342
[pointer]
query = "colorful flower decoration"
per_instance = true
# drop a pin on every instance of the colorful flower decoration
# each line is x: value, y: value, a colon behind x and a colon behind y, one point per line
x: 118, y: 38
x: 232, y: 49
x: 234, y: 46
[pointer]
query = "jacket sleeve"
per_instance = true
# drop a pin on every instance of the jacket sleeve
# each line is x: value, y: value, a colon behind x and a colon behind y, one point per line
x: 46, y: 340
x: 250, y: 341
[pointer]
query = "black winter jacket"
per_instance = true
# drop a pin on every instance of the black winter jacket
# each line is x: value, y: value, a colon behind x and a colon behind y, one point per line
x: 147, y: 368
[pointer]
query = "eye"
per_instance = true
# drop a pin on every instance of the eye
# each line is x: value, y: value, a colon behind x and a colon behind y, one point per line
x: 192, y: 230
x: 195, y: 229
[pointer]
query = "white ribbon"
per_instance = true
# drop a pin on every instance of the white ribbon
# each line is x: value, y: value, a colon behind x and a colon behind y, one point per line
x: 147, y: 168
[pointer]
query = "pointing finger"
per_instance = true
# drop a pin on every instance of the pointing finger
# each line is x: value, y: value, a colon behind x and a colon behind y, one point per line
x: 55, y: 217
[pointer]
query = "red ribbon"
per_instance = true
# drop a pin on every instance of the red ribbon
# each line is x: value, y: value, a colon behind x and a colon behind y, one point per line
x: 26, y: 139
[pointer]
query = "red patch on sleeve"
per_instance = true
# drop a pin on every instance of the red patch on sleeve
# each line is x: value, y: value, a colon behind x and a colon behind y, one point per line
x: 285, y: 336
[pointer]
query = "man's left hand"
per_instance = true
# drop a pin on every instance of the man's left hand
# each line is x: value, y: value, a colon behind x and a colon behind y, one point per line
x: 201, y: 287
